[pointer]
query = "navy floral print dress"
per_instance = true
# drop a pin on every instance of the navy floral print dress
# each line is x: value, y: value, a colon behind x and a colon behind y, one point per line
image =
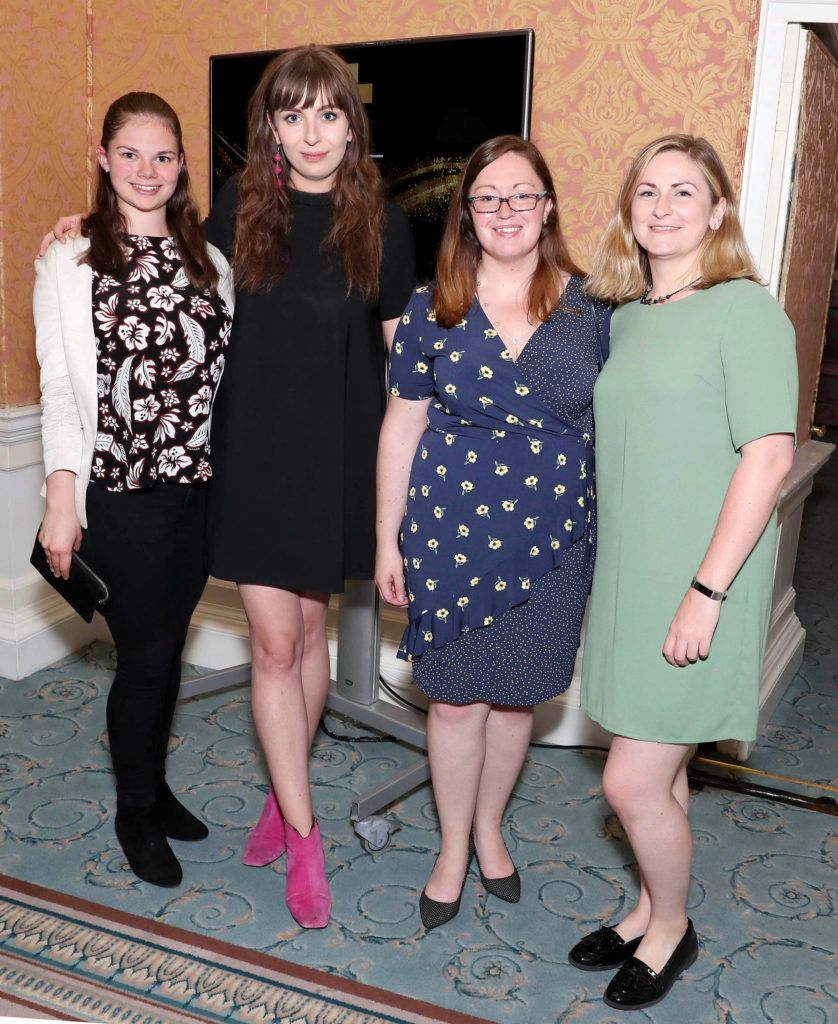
x: 498, y: 533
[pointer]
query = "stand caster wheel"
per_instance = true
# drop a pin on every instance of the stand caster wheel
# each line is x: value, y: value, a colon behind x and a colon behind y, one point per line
x: 375, y: 832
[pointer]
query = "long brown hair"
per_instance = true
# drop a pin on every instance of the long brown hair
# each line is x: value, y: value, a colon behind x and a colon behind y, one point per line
x: 459, y: 251
x: 260, y: 251
x: 620, y: 270
x: 105, y: 224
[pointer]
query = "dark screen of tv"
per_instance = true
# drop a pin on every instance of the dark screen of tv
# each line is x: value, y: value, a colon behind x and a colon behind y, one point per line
x: 430, y: 102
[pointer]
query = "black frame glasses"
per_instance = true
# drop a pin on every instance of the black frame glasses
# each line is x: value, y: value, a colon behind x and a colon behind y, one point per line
x: 524, y: 202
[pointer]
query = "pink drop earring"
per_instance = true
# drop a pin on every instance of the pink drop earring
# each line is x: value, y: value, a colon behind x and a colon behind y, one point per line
x: 278, y: 165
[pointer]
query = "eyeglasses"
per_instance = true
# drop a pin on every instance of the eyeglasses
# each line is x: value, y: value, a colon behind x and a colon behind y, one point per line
x: 521, y: 202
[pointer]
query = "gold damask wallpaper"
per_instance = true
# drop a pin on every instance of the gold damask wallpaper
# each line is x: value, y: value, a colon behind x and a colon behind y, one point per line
x: 609, y: 76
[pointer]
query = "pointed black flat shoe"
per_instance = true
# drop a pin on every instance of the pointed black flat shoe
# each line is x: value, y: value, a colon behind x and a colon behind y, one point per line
x: 602, y: 950
x: 636, y: 986
x: 434, y: 912
x: 177, y: 821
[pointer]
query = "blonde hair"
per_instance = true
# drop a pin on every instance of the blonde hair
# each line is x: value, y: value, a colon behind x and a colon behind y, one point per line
x: 620, y: 267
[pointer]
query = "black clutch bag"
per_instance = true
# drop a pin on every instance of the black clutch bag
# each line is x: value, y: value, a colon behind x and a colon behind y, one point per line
x: 84, y: 591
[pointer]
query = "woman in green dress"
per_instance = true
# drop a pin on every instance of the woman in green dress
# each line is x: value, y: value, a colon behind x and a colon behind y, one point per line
x: 695, y: 416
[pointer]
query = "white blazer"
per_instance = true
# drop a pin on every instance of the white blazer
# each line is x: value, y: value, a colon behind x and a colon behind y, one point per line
x: 65, y: 343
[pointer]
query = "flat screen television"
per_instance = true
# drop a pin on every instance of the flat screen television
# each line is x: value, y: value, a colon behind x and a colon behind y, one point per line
x: 430, y: 102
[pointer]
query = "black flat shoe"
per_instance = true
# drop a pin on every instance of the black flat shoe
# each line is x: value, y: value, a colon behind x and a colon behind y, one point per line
x: 507, y: 888
x: 177, y: 821
x: 145, y: 846
x: 601, y: 950
x: 434, y: 912
x: 636, y: 986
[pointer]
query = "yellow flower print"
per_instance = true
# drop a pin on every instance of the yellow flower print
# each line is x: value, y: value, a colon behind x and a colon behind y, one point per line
x: 411, y: 596
x: 460, y: 559
x: 555, y: 543
x: 580, y: 501
x: 474, y: 581
x: 512, y: 419
x: 430, y: 316
x: 509, y: 505
x: 417, y: 563
x: 490, y: 333
x: 485, y: 402
x: 462, y: 530
x: 462, y: 324
x: 455, y: 356
x: 530, y: 522
x: 534, y: 550
x: 423, y: 452
x: 495, y: 543
x: 441, y: 471
x: 439, y: 346
x: 482, y: 510
x: 406, y: 319
x: 439, y: 512
x: 583, y: 470
x: 568, y: 525
x: 561, y: 460
x: 498, y: 433
x: 507, y: 355
x: 431, y: 584
x: 428, y: 636
x: 421, y: 367
x: 414, y: 526
x: 426, y: 490
x: 433, y: 544
x: 500, y: 585
x: 442, y: 613
x: 521, y: 389
x: 586, y: 437
x: 399, y: 347
x: 394, y: 391
x: 501, y: 469
x: 531, y: 481
x: 488, y: 620
x: 535, y: 445
x: 485, y: 372
x: 536, y: 423
x: 412, y: 492
x: 471, y: 457
x: 465, y: 423
x: 449, y: 389
x: 462, y: 602
x: 559, y: 490
x: 525, y: 582
x: 449, y: 439
x: 467, y: 486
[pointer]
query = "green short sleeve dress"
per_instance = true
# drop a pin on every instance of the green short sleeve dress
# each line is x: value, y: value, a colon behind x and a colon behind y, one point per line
x: 686, y: 385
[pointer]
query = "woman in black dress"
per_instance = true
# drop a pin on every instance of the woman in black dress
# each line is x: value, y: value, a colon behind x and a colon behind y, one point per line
x: 324, y: 267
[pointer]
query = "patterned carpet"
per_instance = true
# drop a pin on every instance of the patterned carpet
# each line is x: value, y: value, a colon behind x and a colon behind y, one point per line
x: 763, y: 890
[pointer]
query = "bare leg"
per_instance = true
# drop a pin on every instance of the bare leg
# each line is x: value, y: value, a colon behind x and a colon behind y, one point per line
x: 508, y: 732
x: 315, y: 663
x: 277, y: 634
x: 456, y: 749
x: 640, y: 781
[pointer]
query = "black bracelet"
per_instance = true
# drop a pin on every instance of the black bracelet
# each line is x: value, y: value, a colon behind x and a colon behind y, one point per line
x: 714, y: 595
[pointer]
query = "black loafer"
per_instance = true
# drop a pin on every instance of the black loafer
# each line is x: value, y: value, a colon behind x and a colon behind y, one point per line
x: 177, y: 821
x: 636, y: 986
x: 602, y: 950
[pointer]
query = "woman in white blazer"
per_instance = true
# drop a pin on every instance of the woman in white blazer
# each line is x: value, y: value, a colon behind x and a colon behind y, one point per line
x: 132, y: 320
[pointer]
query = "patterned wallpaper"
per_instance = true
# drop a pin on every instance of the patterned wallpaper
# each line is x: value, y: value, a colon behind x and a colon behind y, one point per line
x: 610, y: 75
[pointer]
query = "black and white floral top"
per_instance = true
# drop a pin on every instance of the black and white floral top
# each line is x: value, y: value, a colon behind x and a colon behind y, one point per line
x: 160, y: 355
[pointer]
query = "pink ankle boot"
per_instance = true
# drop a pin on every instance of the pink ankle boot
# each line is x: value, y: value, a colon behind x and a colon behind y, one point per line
x: 306, y: 886
x: 266, y: 841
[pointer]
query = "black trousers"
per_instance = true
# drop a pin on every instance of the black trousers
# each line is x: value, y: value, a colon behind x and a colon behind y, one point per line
x: 148, y: 546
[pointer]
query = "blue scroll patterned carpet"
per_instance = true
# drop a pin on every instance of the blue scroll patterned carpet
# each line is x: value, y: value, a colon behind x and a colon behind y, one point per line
x: 764, y: 879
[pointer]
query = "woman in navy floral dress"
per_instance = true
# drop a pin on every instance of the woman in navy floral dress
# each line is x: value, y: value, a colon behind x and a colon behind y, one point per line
x: 485, y: 498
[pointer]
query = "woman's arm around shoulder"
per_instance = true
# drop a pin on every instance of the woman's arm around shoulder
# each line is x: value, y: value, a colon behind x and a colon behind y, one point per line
x: 226, y: 287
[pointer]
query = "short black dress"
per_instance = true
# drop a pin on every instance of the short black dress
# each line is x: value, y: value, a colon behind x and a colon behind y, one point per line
x: 296, y: 421
x: 499, y: 532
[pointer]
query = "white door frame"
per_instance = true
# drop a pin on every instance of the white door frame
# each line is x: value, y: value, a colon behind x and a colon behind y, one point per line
x: 772, y: 127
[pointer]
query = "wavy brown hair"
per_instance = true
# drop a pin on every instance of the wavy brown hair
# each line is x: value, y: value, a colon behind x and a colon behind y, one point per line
x: 460, y: 251
x: 260, y: 251
x: 105, y: 224
x: 620, y: 270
